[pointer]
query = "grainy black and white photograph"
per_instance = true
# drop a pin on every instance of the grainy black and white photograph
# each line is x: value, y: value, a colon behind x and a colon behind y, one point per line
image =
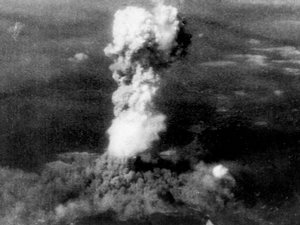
x: 149, y: 112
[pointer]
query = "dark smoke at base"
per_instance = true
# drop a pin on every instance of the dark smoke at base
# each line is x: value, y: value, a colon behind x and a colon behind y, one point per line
x: 82, y: 184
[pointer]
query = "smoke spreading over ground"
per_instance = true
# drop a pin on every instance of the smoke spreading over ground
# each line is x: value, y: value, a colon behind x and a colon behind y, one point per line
x: 81, y: 185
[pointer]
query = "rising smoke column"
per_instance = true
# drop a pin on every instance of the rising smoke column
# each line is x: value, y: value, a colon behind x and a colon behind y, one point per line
x: 143, y: 42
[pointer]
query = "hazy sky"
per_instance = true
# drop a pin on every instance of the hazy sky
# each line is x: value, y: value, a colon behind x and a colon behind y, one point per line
x: 265, y: 2
x: 39, y: 7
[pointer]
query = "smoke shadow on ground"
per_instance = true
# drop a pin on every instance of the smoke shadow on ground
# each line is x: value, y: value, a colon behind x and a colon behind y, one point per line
x: 236, y: 138
x: 181, y: 114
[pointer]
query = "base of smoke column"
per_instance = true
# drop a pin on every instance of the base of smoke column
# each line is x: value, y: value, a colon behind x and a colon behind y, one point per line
x: 193, y: 218
x: 189, y: 217
x: 148, y: 163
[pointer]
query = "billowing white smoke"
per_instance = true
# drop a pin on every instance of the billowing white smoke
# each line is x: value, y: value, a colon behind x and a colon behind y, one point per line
x: 142, y: 40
